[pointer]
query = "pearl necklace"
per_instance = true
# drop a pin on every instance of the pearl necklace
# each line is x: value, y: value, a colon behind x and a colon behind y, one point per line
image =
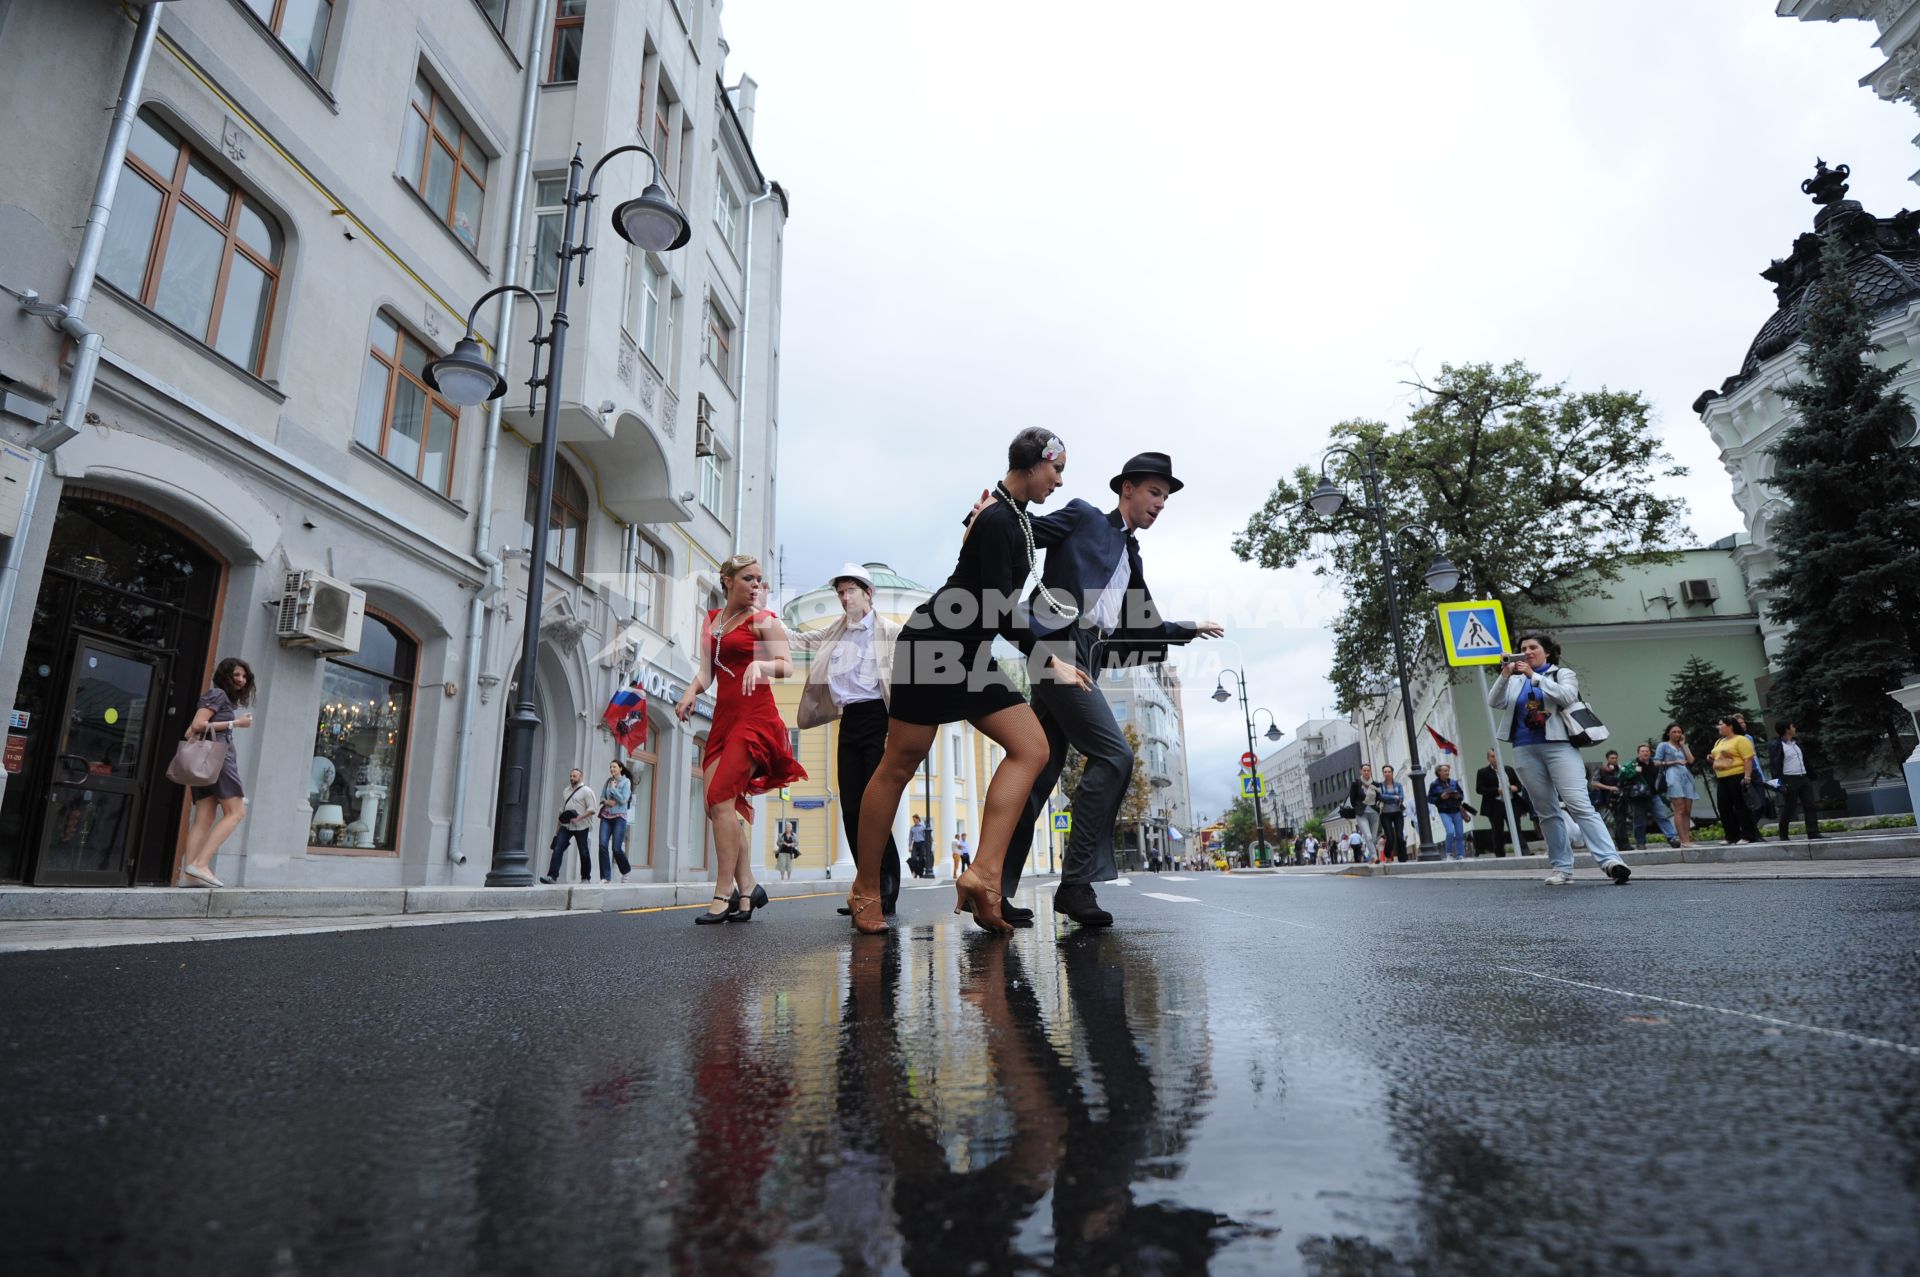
x: 1066, y: 611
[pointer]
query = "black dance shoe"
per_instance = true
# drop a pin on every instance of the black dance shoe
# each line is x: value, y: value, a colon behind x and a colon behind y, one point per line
x: 1077, y: 901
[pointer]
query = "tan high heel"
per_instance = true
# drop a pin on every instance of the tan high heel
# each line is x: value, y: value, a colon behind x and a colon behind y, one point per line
x: 869, y: 926
x: 980, y: 900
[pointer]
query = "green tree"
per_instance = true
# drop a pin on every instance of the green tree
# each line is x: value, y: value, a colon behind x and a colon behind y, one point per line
x: 1848, y: 578
x: 1139, y: 797
x: 1700, y: 694
x: 1535, y: 492
x: 1071, y: 771
x: 1241, y: 828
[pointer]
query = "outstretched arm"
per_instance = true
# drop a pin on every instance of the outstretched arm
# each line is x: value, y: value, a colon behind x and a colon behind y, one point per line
x: 775, y: 659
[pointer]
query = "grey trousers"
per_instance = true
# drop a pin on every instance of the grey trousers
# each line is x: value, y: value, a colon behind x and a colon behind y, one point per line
x: 1083, y: 720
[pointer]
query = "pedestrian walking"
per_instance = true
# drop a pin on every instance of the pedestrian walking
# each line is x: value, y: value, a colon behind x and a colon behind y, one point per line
x: 743, y: 649
x: 577, y: 802
x: 1732, y: 762
x: 1788, y: 758
x: 1393, y: 815
x: 1313, y: 850
x: 1674, y: 758
x: 1364, y: 797
x: 1446, y: 798
x: 1644, y: 808
x: 850, y: 679
x: 945, y: 672
x: 920, y: 849
x: 962, y: 855
x: 785, y: 849
x: 1356, y: 846
x: 1486, y: 784
x: 1109, y: 621
x: 218, y: 808
x: 616, y: 817
x: 1536, y: 690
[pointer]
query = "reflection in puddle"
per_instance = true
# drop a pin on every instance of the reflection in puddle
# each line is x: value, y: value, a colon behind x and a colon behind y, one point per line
x: 936, y: 1100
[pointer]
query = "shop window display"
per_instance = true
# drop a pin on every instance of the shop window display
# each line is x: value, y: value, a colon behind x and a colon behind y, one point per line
x: 360, y: 743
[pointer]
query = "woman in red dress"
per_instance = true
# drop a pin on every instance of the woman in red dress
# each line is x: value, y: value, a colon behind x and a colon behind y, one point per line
x: 743, y: 648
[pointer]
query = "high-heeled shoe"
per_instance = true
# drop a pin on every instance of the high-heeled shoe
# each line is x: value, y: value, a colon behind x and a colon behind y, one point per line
x: 755, y: 901
x: 980, y: 900
x: 867, y: 923
x: 710, y: 918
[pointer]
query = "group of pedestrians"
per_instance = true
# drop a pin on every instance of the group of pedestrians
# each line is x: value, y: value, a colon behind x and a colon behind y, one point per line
x: 580, y: 808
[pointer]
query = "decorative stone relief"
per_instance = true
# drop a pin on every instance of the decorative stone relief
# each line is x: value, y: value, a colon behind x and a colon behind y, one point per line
x: 234, y: 141
x: 649, y: 391
x: 669, y: 412
x: 565, y: 631
x: 624, y: 363
x: 431, y: 321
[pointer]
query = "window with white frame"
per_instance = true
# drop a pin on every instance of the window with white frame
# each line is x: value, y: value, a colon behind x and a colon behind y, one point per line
x: 713, y: 483
x: 650, y: 579
x: 726, y: 207
x: 549, y: 220
x: 649, y: 293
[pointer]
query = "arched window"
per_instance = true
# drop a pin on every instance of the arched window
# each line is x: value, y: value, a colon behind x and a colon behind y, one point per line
x: 192, y: 247
x: 567, y: 524
x: 360, y: 745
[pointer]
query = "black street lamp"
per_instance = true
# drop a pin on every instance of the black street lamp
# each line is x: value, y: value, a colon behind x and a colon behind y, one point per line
x: 1221, y: 694
x: 1442, y: 577
x: 650, y: 221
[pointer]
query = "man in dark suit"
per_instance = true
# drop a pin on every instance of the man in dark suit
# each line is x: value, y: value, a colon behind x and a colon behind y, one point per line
x: 1787, y: 760
x: 1486, y: 784
x: 1093, y: 564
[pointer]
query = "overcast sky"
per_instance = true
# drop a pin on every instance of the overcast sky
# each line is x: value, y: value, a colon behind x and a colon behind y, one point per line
x: 1217, y: 238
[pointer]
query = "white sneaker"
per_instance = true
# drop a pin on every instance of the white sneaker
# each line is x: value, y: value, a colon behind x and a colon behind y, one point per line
x: 1558, y: 878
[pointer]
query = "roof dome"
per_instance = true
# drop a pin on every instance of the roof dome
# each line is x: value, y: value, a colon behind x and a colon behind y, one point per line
x: 820, y: 605
x: 1883, y: 260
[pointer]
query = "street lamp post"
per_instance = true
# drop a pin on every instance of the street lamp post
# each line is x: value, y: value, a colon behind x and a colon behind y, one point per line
x: 651, y: 221
x: 1221, y: 694
x: 1327, y: 501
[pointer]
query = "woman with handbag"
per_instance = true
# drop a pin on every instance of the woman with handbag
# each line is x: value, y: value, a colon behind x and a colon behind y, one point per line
x: 220, y: 806
x: 616, y: 813
x: 1393, y: 814
x: 1537, y: 692
x: 1674, y: 760
x: 1733, y: 783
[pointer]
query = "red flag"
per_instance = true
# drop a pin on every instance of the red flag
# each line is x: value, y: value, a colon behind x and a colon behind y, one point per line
x: 1446, y: 746
x: 626, y: 716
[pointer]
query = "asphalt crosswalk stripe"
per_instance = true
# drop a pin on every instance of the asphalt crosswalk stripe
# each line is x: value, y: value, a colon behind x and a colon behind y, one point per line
x: 1161, y: 895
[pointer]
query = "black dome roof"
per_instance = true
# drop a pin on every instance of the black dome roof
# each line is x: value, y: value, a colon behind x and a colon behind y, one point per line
x: 1883, y: 260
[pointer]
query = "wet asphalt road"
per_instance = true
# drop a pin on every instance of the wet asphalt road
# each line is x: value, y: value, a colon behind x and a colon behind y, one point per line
x: 1269, y: 1075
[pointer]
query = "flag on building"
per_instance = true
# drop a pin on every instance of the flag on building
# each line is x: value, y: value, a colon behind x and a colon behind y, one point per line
x: 626, y: 717
x: 1446, y: 746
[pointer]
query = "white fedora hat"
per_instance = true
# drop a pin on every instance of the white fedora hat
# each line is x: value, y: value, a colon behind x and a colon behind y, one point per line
x: 853, y: 571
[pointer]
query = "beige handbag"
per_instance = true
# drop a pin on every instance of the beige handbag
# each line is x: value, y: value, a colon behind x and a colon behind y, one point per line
x: 198, y: 762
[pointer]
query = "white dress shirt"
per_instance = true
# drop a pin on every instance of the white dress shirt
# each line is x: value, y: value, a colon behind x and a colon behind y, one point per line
x: 1103, y: 611
x: 852, y: 673
x: 1792, y: 761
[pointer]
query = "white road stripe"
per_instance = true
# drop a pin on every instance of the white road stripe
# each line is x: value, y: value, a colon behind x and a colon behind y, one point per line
x: 1174, y: 878
x: 1161, y: 895
x: 1121, y: 882
x: 1701, y: 1006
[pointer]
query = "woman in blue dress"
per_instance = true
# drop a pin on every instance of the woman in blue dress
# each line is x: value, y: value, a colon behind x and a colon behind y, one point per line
x: 1675, y: 760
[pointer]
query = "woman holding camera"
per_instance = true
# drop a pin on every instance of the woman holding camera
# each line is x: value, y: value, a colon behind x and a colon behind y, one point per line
x: 1535, y: 689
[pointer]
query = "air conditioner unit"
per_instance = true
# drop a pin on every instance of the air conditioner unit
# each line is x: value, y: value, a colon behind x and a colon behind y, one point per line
x: 319, y: 612
x: 703, y: 441
x: 1704, y: 590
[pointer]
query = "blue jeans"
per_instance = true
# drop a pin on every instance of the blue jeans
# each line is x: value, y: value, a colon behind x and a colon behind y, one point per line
x: 613, y: 835
x: 1554, y: 775
x: 1456, y: 827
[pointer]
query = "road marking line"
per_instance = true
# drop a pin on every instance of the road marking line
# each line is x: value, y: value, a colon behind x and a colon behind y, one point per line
x: 1121, y: 882
x: 1173, y: 878
x: 816, y: 895
x: 1257, y: 917
x: 1702, y: 1006
x: 1161, y: 895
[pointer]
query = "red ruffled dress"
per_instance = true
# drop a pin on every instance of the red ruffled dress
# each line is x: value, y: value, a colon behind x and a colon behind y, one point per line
x: 749, y: 738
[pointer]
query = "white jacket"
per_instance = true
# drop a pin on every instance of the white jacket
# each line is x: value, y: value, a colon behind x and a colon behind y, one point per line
x: 1558, y: 684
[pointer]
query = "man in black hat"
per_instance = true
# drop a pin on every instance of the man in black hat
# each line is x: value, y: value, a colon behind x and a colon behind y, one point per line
x: 1093, y: 559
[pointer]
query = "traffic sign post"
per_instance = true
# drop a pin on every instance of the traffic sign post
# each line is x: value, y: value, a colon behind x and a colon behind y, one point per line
x: 1062, y: 822
x: 1475, y: 633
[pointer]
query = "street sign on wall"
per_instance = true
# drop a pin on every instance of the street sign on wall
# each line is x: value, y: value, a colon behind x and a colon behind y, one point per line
x: 1474, y: 632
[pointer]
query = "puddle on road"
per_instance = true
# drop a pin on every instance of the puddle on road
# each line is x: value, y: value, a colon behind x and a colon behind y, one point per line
x: 938, y: 1101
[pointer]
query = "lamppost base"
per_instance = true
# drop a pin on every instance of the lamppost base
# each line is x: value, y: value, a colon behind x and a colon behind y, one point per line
x: 1430, y: 853
x: 510, y: 878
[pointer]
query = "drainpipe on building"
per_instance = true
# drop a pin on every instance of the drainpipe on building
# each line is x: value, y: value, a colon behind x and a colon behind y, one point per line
x: 746, y: 373
x: 483, y: 514
x: 70, y: 316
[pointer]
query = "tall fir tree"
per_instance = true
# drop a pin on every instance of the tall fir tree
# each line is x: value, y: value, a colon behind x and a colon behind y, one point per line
x: 1848, y: 579
x: 1700, y: 694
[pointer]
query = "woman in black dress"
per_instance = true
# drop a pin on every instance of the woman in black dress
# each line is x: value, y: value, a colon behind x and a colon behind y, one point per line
x: 218, y: 808
x: 945, y: 672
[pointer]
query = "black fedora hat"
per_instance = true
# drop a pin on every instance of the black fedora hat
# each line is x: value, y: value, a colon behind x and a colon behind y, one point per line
x: 1148, y: 463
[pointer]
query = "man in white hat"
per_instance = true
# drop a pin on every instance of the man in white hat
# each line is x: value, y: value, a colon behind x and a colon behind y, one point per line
x: 850, y: 678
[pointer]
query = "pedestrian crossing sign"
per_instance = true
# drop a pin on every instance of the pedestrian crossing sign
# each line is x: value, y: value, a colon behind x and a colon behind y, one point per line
x: 1062, y: 822
x: 1475, y: 632
x: 1252, y: 787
